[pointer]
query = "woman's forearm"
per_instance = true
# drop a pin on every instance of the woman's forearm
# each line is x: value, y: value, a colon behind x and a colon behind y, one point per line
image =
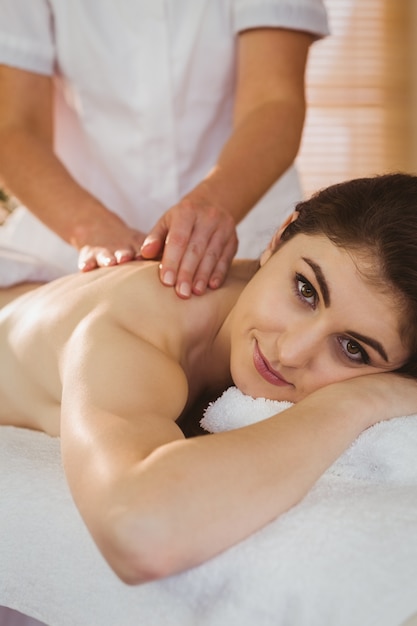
x: 190, y: 500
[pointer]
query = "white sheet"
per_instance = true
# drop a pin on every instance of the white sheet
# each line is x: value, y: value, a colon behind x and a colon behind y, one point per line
x: 346, y: 555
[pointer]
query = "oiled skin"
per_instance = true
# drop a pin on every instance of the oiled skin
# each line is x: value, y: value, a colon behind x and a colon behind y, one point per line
x: 30, y: 384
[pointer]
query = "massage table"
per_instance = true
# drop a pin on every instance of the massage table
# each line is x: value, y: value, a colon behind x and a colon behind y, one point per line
x: 346, y: 555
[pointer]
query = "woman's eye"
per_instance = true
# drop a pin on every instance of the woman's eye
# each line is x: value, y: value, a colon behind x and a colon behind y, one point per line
x: 353, y: 350
x: 306, y: 291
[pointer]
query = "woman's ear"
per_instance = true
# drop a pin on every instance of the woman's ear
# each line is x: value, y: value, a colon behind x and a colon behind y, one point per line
x: 276, y: 239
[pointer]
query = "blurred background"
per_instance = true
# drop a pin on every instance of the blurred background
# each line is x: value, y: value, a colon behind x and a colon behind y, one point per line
x: 362, y: 93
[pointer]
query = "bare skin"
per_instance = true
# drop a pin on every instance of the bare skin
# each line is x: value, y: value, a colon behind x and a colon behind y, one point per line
x: 111, y: 359
x: 78, y: 296
x: 11, y: 293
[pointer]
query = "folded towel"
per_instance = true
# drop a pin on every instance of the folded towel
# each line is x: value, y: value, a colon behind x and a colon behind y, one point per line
x: 345, y: 556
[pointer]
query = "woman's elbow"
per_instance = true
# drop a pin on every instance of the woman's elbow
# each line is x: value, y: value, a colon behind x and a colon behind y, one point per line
x: 140, y: 550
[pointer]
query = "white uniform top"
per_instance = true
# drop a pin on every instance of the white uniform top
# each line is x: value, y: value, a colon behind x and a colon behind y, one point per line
x: 145, y: 91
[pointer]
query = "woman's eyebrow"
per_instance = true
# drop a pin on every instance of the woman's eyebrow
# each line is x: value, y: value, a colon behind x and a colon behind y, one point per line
x: 325, y: 292
x: 324, y: 288
x: 376, y: 345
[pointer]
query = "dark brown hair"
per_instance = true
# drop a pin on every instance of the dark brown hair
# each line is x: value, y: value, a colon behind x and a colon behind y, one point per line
x: 376, y: 217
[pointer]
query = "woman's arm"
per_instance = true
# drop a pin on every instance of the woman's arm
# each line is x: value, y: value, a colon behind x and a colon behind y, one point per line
x: 157, y: 504
x: 268, y: 121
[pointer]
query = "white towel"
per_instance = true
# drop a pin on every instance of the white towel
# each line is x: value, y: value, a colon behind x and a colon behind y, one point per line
x: 345, y: 556
x: 22, y: 258
x: 234, y: 409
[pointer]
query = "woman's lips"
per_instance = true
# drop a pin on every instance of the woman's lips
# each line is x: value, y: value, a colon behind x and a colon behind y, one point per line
x: 265, y: 370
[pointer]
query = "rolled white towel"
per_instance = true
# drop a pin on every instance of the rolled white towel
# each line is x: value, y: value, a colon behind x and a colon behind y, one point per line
x: 234, y: 409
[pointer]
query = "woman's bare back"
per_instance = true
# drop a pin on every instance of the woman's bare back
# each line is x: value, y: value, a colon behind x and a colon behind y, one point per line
x: 35, y: 330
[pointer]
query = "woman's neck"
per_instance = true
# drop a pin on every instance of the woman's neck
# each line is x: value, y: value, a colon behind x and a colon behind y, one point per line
x: 206, y: 361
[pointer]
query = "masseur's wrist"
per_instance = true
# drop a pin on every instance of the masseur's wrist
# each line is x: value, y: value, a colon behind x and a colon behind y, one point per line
x: 91, y: 223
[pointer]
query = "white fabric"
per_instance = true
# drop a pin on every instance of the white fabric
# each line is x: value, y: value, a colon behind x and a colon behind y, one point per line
x: 9, y: 617
x: 145, y: 92
x: 346, y: 555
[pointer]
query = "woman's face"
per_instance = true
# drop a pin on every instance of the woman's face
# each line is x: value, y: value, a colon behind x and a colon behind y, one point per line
x: 308, y: 319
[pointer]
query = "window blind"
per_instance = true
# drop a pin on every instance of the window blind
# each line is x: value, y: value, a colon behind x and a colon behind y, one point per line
x: 359, y: 90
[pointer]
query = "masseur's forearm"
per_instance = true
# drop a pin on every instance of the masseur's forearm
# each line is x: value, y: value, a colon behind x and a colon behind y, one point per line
x: 268, y: 117
x: 31, y: 171
x: 261, y: 148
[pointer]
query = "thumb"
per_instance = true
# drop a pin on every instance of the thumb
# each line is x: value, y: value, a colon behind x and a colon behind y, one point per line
x: 154, y: 242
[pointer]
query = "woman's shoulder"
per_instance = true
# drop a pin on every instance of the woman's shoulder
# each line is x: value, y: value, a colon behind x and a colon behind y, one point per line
x: 143, y: 305
x: 138, y: 283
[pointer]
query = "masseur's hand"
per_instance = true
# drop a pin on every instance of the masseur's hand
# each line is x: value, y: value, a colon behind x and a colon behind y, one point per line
x: 108, y: 241
x: 197, y: 239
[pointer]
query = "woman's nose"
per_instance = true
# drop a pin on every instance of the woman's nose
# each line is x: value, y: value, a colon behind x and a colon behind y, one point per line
x: 298, y: 345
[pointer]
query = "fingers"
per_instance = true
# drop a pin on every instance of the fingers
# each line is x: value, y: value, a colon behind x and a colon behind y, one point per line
x: 212, y: 270
x: 218, y: 275
x: 172, y: 234
x: 183, y: 252
x: 154, y: 242
x: 92, y: 257
x: 198, y: 252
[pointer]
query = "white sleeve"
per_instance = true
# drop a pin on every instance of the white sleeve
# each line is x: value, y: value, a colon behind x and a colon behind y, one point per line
x: 26, y: 35
x: 305, y: 15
